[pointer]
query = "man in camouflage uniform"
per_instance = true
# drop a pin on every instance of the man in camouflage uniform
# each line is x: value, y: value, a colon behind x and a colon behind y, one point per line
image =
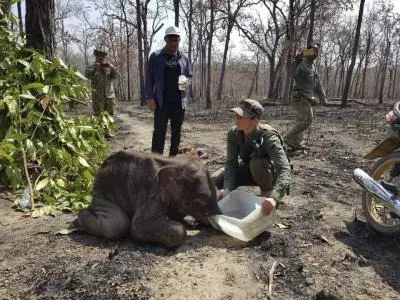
x: 307, y: 86
x: 263, y: 159
x: 102, y: 75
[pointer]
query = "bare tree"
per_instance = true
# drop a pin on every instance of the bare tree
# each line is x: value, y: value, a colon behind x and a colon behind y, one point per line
x: 83, y: 42
x: 267, y: 38
x: 176, y: 10
x: 367, y: 53
x: 20, y: 22
x: 128, y: 34
x: 209, y: 55
x: 255, y: 75
x: 63, y: 10
x: 388, y: 22
x: 230, y: 19
x: 156, y: 25
x: 312, y: 21
x: 354, y: 54
x: 188, y: 13
x: 140, y: 52
x: 290, y: 40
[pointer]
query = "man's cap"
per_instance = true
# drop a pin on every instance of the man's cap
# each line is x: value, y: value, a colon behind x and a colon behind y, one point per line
x: 98, y: 52
x: 249, y: 108
x: 172, y: 30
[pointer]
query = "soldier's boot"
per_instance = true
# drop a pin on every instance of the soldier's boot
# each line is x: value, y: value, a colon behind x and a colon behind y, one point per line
x: 292, y: 146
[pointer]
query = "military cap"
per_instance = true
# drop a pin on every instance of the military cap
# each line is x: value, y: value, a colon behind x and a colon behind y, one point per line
x: 249, y: 108
x: 98, y: 52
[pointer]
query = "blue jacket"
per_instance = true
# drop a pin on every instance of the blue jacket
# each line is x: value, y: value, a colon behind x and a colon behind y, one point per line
x: 155, y: 76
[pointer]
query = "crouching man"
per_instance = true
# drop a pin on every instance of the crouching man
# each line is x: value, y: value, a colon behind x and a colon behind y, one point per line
x: 263, y: 159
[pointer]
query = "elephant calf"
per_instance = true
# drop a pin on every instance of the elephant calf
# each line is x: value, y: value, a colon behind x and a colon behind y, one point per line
x: 145, y: 195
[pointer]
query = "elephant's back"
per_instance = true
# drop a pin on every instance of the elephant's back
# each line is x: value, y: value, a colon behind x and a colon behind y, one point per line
x: 124, y: 177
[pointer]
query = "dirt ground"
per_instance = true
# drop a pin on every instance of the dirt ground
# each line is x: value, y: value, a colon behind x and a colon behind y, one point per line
x: 357, y: 263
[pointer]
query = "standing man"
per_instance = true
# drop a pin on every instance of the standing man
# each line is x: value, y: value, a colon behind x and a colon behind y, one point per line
x: 102, y: 75
x: 164, y: 97
x: 263, y: 159
x: 307, y: 85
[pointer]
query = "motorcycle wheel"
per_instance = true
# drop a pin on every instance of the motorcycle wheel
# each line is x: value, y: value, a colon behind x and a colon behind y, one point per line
x: 378, y: 216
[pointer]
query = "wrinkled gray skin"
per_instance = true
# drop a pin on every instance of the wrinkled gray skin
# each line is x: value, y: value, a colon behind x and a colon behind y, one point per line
x: 146, y: 196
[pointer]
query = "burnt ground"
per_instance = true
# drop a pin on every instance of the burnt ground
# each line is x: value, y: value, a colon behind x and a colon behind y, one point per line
x: 354, y: 263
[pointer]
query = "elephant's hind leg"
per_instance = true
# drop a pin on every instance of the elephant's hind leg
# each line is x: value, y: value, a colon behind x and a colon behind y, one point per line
x: 104, y: 219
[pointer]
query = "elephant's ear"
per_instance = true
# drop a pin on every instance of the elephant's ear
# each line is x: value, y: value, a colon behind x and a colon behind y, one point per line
x: 168, y: 180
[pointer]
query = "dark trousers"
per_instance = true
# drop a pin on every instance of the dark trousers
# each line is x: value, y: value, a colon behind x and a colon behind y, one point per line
x: 175, y: 113
x: 258, y: 172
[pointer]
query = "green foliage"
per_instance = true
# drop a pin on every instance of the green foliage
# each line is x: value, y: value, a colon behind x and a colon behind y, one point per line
x: 62, y: 152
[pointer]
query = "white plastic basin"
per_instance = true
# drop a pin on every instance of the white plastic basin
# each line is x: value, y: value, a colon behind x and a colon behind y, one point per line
x: 242, y: 216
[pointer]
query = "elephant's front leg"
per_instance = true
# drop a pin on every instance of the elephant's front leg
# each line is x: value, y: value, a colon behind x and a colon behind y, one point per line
x: 158, y: 229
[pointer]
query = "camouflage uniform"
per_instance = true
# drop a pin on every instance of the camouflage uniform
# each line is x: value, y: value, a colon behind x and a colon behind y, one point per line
x: 307, y: 85
x: 103, y: 89
x: 263, y: 162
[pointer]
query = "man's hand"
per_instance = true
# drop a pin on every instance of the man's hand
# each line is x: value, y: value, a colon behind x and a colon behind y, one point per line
x: 267, y: 205
x: 222, y: 193
x: 151, y: 104
x: 185, y: 85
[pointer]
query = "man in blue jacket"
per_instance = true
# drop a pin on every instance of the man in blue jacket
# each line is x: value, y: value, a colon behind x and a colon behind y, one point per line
x: 164, y: 97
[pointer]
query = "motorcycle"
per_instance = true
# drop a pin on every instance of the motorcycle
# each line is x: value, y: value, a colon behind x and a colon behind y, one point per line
x: 381, y: 189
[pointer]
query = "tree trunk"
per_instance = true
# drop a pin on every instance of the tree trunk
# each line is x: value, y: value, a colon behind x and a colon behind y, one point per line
x: 353, y: 55
x: 395, y: 74
x: 222, y: 75
x: 272, y: 77
x: 140, y: 53
x: 278, y: 86
x: 121, y: 79
x: 190, y: 46
x: 20, y: 22
x: 383, y: 75
x: 176, y: 10
x: 210, y: 38
x: 310, y: 36
x: 40, y: 26
x: 335, y: 81
x: 128, y: 58
x: 390, y: 83
x: 265, y: 76
x: 375, y: 88
x: 327, y: 90
x: 204, y: 68
x: 257, y: 75
x: 146, y: 48
x: 312, y: 21
x: 255, y: 78
x: 366, y: 65
x: 64, y: 43
x: 290, y: 54
x: 356, y: 79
